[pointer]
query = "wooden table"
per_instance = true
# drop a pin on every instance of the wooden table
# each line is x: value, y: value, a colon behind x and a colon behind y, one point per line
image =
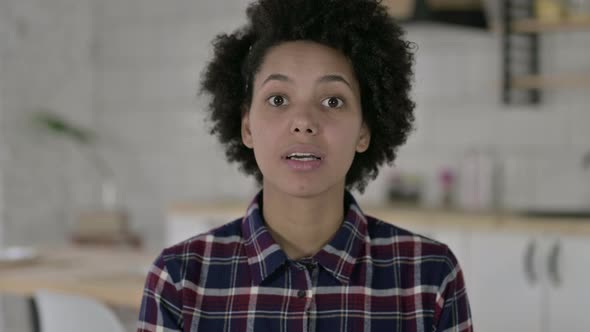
x: 113, y: 276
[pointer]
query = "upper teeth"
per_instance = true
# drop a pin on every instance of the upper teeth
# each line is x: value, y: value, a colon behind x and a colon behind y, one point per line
x: 306, y: 156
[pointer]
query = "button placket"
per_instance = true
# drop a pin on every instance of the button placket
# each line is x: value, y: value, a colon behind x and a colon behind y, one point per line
x: 304, y: 285
x: 301, y: 293
x: 312, y: 275
x: 310, y: 308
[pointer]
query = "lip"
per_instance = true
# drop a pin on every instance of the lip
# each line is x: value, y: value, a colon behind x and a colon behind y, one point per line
x: 303, y: 148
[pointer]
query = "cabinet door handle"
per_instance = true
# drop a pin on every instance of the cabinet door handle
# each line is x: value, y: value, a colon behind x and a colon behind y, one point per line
x: 553, y: 264
x: 529, y: 262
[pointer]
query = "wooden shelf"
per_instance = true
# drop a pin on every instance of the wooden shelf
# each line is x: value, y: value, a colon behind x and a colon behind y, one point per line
x: 400, y: 9
x: 534, y: 25
x: 575, y: 81
x: 454, y: 4
x: 529, y: 30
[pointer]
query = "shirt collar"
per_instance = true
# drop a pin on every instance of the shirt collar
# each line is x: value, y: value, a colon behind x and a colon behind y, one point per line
x: 338, y: 256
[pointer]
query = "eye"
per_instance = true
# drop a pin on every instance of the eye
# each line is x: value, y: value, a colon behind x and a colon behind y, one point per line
x: 333, y: 102
x: 277, y: 101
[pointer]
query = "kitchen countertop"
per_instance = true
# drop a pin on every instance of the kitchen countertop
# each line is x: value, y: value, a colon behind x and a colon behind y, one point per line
x: 420, y: 217
x: 113, y: 276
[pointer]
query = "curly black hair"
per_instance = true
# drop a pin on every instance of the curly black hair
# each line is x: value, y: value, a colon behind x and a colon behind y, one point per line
x: 361, y: 29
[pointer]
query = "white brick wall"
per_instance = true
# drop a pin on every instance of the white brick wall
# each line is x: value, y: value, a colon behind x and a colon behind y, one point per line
x: 45, y: 65
x: 149, y: 59
x: 2, y: 158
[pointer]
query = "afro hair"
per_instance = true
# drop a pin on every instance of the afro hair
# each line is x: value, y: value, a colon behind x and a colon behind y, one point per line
x: 362, y: 30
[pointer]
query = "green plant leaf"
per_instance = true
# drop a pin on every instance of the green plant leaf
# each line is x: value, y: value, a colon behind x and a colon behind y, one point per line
x: 57, y: 125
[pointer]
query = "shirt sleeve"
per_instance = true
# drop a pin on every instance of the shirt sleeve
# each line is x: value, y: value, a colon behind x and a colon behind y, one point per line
x: 161, y: 305
x: 453, y: 312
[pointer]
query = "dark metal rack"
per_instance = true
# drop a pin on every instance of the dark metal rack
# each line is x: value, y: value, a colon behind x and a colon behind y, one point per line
x: 520, y: 53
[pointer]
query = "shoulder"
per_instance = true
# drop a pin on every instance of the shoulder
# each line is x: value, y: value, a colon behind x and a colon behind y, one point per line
x: 382, y: 232
x: 220, y: 238
x: 187, y: 257
x: 420, y: 262
x: 396, y: 244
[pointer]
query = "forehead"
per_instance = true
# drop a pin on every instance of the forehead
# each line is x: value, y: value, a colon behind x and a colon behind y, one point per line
x: 305, y: 59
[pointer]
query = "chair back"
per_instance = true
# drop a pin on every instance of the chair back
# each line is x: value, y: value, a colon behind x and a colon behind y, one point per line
x: 59, y: 312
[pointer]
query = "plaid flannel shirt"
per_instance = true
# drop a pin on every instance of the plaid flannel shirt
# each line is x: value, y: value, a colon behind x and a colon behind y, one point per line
x: 372, y: 276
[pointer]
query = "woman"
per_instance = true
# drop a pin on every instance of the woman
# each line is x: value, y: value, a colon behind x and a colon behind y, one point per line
x: 310, y: 97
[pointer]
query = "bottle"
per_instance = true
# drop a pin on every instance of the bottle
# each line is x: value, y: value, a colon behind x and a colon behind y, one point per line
x: 480, y: 181
x: 447, y: 182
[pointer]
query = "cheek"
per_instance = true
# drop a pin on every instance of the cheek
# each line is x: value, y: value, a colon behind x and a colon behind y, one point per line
x: 345, y: 137
x: 261, y: 131
x: 264, y: 137
x: 267, y: 124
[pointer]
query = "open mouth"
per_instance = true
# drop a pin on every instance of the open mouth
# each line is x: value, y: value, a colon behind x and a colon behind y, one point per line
x: 303, y: 156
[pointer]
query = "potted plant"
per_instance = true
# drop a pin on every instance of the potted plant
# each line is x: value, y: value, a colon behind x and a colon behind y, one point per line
x: 108, y: 223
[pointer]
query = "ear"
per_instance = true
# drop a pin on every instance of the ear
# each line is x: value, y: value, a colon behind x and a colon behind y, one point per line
x: 246, y: 132
x: 364, y: 139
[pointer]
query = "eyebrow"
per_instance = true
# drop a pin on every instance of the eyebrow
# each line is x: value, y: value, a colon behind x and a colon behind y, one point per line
x: 334, y: 78
x: 323, y: 79
x: 277, y: 77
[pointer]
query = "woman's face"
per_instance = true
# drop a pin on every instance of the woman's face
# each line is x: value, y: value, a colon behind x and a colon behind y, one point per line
x: 305, y: 120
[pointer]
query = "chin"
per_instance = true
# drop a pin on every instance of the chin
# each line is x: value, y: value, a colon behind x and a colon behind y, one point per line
x: 304, y: 189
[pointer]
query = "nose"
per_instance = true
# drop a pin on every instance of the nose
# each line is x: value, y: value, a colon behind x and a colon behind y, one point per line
x: 303, y: 123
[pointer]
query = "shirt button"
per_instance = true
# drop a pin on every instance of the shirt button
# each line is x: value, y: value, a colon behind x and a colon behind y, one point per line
x: 301, y: 294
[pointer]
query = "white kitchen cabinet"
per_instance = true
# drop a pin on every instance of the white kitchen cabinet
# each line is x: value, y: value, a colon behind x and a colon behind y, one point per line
x: 568, y: 269
x: 504, y: 286
x: 529, y: 282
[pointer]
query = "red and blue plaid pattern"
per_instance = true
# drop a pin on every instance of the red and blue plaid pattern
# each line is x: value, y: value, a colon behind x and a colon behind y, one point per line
x: 372, y: 276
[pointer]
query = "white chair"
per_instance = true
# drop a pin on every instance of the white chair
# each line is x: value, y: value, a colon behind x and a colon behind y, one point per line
x: 59, y: 312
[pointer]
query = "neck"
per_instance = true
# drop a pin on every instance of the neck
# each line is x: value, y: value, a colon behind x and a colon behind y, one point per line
x: 301, y: 226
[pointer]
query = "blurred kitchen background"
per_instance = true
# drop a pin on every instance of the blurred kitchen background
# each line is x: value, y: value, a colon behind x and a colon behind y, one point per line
x: 103, y: 143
